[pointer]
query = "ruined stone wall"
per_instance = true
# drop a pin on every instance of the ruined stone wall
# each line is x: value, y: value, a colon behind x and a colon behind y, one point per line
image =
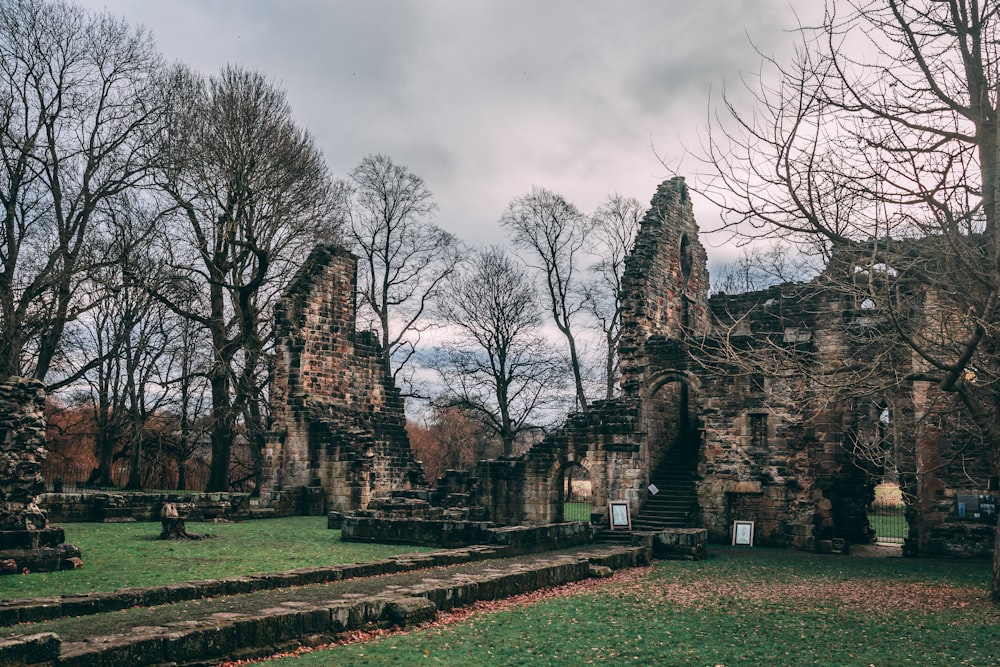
x: 603, y: 441
x: 338, y: 420
x: 22, y: 449
x: 27, y: 542
x: 665, y: 289
x: 811, y: 480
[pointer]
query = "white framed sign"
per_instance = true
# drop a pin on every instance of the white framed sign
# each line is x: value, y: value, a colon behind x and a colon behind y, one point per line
x: 620, y: 518
x: 743, y: 533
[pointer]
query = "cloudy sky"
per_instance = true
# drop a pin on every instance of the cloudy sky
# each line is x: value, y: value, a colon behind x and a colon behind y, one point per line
x: 484, y: 99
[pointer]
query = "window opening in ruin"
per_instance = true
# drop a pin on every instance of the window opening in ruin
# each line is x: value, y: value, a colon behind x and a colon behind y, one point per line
x: 576, y: 493
x: 687, y: 259
x: 757, y: 382
x: 758, y: 430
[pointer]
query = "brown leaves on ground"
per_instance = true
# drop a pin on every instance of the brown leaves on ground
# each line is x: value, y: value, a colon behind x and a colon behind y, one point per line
x: 863, y: 595
x: 870, y: 596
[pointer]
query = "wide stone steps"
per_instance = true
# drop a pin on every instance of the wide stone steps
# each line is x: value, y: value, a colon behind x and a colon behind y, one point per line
x: 246, y: 624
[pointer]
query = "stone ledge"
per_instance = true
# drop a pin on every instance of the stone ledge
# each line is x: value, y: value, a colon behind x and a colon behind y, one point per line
x: 13, y: 612
x: 231, y: 635
x: 444, y: 533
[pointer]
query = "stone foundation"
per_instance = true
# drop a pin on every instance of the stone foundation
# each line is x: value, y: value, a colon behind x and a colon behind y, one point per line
x: 101, y: 507
x: 449, y: 534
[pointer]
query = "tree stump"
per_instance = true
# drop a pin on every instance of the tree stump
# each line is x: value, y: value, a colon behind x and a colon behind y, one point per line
x: 173, y: 525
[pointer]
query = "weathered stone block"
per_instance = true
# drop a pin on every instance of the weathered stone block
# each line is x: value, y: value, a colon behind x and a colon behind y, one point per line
x: 38, y: 649
x: 410, y: 611
x: 681, y: 544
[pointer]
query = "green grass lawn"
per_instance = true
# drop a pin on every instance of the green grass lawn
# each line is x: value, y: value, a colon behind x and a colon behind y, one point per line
x: 122, y: 555
x: 738, y: 607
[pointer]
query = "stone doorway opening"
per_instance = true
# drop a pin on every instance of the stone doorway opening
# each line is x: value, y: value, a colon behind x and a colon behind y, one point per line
x: 576, y: 494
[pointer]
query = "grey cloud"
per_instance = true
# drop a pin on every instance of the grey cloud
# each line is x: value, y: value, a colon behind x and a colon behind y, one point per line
x: 484, y: 99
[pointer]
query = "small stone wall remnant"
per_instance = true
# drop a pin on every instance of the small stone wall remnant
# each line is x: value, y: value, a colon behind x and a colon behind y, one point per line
x: 27, y: 543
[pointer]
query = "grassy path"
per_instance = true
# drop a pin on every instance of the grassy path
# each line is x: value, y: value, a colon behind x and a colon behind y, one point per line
x: 124, y: 555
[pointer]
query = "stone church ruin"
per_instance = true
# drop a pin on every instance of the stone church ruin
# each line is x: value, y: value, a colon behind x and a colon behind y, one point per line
x: 716, y: 444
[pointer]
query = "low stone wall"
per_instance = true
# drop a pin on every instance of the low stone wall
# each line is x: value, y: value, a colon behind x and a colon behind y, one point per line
x: 34, y: 610
x: 232, y: 636
x: 139, y: 506
x: 40, y: 649
x: 446, y: 534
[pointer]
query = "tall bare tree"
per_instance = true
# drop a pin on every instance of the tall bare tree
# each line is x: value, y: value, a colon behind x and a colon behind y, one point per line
x: 76, y: 117
x: 555, y: 233
x: 251, y: 194
x: 882, y: 130
x: 498, y: 366
x: 615, y: 225
x: 405, y: 259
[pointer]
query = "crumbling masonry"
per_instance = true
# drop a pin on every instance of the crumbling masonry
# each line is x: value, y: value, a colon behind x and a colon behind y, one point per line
x: 753, y: 453
x: 338, y: 422
x: 748, y: 449
x: 27, y: 542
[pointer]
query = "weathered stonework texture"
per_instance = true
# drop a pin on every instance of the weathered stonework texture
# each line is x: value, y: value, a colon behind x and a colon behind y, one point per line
x: 760, y: 448
x: 621, y: 442
x: 27, y: 543
x: 338, y: 419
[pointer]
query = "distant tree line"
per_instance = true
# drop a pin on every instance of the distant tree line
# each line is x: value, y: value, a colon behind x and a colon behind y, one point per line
x: 152, y: 215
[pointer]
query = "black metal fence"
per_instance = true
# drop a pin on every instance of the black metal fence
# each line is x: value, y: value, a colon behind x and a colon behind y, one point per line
x: 888, y: 519
x: 68, y: 477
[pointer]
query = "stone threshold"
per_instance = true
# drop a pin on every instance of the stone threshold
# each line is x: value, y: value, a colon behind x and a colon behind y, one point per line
x: 231, y: 635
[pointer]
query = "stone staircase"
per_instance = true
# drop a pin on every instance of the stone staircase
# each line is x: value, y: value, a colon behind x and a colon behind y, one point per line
x: 671, y: 507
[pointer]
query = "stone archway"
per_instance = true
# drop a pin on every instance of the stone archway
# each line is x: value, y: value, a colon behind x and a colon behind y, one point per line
x: 671, y: 421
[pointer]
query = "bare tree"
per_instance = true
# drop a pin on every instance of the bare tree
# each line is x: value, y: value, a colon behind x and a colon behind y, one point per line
x: 498, y: 366
x: 251, y: 194
x: 451, y: 439
x: 758, y: 267
x: 615, y: 225
x: 76, y: 117
x: 555, y: 233
x: 405, y: 259
x: 879, y: 145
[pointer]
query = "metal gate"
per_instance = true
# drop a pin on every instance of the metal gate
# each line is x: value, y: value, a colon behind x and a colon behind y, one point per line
x: 576, y: 494
x: 887, y: 518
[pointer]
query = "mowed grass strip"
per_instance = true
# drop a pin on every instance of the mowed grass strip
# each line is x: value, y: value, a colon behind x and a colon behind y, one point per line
x: 125, y: 555
x: 739, y: 607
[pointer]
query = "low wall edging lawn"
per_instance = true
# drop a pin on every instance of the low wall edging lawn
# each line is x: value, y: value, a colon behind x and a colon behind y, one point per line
x: 230, y: 636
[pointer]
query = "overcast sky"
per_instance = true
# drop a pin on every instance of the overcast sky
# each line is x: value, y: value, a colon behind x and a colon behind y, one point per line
x: 484, y: 99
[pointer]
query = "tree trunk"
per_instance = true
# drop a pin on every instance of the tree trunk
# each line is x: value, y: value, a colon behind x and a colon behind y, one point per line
x: 995, y: 587
x: 222, y: 436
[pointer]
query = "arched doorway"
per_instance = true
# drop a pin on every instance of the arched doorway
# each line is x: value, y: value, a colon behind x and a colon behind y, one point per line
x: 575, y: 493
x: 671, y: 424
